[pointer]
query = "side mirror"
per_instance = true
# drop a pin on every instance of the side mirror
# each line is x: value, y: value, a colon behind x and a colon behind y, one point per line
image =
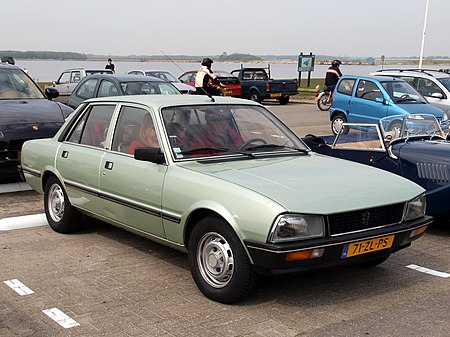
x: 151, y: 154
x: 55, y: 83
x: 437, y: 95
x: 51, y: 92
x: 381, y: 100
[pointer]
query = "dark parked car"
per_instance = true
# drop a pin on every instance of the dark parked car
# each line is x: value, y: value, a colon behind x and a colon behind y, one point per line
x: 99, y: 85
x: 418, y: 151
x: 25, y: 113
x: 165, y: 76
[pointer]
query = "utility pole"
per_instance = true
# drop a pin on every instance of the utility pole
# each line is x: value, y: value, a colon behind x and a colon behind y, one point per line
x: 423, y: 35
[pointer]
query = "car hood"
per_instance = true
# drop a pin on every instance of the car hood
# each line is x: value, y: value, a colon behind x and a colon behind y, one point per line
x: 25, y: 111
x: 313, y: 183
x: 183, y: 87
x: 435, y: 152
x: 422, y: 108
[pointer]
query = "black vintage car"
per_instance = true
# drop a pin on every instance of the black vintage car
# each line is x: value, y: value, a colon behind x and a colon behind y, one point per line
x: 25, y: 113
x: 417, y: 149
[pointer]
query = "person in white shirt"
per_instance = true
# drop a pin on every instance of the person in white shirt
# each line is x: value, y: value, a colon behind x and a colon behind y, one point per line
x: 206, y: 81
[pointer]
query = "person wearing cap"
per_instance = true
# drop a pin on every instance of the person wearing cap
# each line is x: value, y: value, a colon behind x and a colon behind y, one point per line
x: 206, y: 81
x: 218, y: 132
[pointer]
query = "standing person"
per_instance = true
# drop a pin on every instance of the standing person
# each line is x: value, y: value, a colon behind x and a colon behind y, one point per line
x: 110, y: 65
x: 332, y: 76
x: 206, y: 81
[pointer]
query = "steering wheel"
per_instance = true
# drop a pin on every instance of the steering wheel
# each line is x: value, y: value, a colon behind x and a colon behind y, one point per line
x: 251, y: 141
x: 404, y: 96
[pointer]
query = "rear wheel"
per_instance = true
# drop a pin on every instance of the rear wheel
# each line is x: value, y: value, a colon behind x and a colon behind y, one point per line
x: 255, y: 96
x: 336, y: 124
x: 219, y: 264
x: 283, y: 100
x: 61, y: 215
x: 324, y: 102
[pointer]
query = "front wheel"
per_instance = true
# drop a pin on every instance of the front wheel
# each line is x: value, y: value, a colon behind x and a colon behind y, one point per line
x: 255, y: 96
x: 337, y: 123
x: 324, y: 102
x: 61, y: 215
x: 218, y: 262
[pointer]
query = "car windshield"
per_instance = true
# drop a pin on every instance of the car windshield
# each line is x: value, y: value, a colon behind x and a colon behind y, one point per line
x: 148, y: 87
x: 227, y: 130
x: 164, y: 75
x: 15, y: 84
x: 405, y: 126
x: 402, y: 93
x: 446, y: 82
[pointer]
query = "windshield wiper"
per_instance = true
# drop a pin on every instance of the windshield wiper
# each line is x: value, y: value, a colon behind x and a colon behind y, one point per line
x: 275, y: 146
x: 216, y: 149
x: 406, y: 99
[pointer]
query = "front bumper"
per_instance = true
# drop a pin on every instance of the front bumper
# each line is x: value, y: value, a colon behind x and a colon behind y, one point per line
x: 270, y: 259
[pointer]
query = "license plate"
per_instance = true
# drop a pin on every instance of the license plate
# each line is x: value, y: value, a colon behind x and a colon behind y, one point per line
x: 316, y: 99
x: 367, y: 246
x: 276, y: 95
x: 228, y: 92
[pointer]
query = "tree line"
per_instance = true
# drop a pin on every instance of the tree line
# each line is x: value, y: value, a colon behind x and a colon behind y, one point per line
x: 51, y: 55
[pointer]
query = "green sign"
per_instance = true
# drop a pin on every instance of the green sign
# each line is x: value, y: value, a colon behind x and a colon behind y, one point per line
x: 306, y: 62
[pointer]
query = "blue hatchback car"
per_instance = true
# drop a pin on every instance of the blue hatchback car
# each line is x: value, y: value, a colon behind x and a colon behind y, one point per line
x: 367, y: 99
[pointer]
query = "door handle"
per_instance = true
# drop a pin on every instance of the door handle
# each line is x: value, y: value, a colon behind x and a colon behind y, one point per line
x: 65, y: 154
x: 109, y: 165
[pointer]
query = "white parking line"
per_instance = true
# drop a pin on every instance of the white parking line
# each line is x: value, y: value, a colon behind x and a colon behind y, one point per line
x: 18, y: 287
x: 23, y: 222
x: 428, y: 271
x: 61, y: 318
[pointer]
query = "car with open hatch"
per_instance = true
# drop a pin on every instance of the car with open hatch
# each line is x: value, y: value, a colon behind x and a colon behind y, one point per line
x: 26, y: 112
x: 417, y: 150
x: 224, y: 180
x: 367, y: 99
x: 231, y: 82
x: 100, y: 85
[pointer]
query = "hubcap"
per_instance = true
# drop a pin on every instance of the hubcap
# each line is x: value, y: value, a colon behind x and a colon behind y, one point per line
x: 337, y: 125
x: 56, y: 202
x: 215, y: 260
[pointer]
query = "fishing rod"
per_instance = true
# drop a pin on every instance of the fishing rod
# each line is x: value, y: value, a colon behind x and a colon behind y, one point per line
x: 172, y: 61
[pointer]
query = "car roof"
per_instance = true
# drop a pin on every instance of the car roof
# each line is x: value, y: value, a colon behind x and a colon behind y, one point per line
x: 127, y: 78
x: 437, y: 73
x: 90, y: 69
x: 373, y: 78
x: 8, y: 65
x: 159, y: 101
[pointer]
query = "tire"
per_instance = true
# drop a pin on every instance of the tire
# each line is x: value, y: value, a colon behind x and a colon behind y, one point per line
x: 61, y: 215
x: 255, y: 96
x: 375, y: 262
x: 218, y: 262
x: 283, y: 100
x: 336, y: 124
x: 323, y: 103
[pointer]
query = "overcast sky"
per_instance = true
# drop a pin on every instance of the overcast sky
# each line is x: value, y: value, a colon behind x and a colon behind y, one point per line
x: 200, y: 27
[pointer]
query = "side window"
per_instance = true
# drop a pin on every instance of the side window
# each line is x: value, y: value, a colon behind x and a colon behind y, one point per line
x: 346, y: 86
x: 427, y: 87
x: 107, y: 88
x: 134, y: 128
x: 75, y: 77
x: 64, y: 78
x: 184, y: 78
x: 87, y: 89
x: 408, y: 79
x: 368, y: 90
x: 92, y: 128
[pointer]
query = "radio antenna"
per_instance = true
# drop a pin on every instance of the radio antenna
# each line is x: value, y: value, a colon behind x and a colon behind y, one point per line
x: 172, y: 61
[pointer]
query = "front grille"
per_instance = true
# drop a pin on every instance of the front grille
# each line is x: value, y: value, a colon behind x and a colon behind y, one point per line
x: 365, y: 219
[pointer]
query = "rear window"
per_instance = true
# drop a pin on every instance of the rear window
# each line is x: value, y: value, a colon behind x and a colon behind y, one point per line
x: 346, y: 86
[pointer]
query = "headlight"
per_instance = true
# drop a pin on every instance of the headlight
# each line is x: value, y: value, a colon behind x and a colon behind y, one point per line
x: 291, y: 227
x: 445, y: 117
x: 415, y: 208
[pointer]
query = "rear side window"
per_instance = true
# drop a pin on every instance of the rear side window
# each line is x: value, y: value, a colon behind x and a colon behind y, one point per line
x: 346, y: 86
x: 87, y: 89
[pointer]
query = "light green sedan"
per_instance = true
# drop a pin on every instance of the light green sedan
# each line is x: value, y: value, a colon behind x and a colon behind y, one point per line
x: 224, y: 180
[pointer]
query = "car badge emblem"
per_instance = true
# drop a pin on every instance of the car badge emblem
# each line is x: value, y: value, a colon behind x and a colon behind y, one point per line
x: 35, y: 127
x: 365, y: 218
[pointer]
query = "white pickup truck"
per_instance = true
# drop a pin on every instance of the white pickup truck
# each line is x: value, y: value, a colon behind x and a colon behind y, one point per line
x: 69, y: 78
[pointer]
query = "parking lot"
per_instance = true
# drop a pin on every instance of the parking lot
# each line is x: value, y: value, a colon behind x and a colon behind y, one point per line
x: 105, y: 281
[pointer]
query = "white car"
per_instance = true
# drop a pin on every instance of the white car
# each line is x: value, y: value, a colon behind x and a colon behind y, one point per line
x: 166, y: 76
x: 433, y: 84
